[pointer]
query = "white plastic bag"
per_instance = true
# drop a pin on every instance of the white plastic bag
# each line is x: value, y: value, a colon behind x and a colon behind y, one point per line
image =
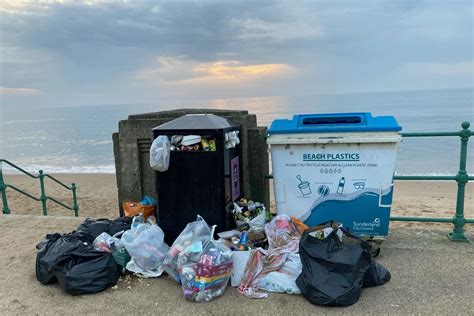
x: 239, y: 260
x: 256, y: 224
x: 190, y: 233
x: 160, y: 154
x: 145, y: 244
x: 283, y: 280
x: 133, y: 267
x: 105, y: 243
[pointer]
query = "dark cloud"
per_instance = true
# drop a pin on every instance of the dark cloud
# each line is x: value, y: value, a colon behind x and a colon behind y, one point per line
x: 99, y: 52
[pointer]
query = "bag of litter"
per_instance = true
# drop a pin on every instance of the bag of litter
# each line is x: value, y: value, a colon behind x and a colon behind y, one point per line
x: 53, y: 250
x: 239, y: 263
x: 160, y: 154
x: 191, y: 232
x: 205, y: 267
x: 87, y: 272
x: 283, y: 280
x: 377, y: 274
x: 91, y: 228
x: 335, y: 271
x: 145, y: 244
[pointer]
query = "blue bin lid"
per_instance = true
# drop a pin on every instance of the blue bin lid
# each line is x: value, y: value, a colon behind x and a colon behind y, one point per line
x: 334, y: 123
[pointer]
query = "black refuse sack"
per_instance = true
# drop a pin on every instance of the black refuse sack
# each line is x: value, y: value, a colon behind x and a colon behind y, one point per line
x: 73, y: 263
x: 91, y: 228
x: 377, y: 274
x: 334, y: 272
x: 52, y: 250
x: 87, y: 272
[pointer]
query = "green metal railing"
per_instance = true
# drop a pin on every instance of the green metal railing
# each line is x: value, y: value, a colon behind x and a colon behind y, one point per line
x: 462, y: 178
x: 43, y: 197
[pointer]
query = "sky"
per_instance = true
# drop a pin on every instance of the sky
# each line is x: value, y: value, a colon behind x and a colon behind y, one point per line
x: 72, y: 53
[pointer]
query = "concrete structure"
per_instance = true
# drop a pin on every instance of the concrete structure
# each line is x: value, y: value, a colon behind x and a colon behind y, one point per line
x: 132, y: 142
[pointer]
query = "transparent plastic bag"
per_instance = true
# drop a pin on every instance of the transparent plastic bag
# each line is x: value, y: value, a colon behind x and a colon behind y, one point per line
x: 105, y: 243
x: 160, y: 154
x: 145, y: 244
x: 190, y: 233
x: 205, y: 268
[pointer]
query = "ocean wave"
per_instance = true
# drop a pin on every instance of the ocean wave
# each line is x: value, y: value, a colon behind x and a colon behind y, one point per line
x: 110, y: 169
x: 9, y: 122
x: 427, y: 174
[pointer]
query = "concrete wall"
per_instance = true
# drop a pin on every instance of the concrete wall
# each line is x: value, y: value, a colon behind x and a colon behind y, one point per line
x: 135, y: 178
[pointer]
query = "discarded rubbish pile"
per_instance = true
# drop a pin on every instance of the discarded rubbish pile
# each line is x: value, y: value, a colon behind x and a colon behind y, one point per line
x: 326, y: 264
x: 276, y: 268
x: 204, y: 267
x: 71, y: 260
x: 250, y: 213
x: 336, y: 266
x: 147, y: 207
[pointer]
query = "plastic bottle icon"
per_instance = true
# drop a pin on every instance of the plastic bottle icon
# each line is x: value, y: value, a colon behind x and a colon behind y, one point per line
x: 340, y: 187
x: 304, y: 186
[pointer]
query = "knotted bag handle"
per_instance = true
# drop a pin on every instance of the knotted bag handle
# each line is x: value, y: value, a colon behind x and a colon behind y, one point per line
x: 335, y: 227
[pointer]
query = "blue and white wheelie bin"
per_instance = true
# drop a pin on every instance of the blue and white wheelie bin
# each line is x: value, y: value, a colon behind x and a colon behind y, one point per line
x: 335, y: 167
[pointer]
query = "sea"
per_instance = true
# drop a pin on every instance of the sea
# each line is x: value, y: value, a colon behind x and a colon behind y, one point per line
x: 78, y: 139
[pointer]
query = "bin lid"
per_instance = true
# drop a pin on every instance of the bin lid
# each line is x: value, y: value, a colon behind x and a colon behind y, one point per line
x: 196, y: 122
x: 334, y: 123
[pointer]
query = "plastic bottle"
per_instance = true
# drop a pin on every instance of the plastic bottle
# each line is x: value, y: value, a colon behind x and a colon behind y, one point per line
x: 244, y: 241
x: 340, y: 187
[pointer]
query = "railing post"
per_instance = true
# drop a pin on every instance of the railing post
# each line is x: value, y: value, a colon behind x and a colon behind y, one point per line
x: 43, y: 194
x: 74, y: 198
x: 3, y: 189
x: 462, y: 178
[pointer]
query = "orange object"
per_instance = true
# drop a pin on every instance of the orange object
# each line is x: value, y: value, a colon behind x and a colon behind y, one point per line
x: 133, y: 209
x: 300, y: 226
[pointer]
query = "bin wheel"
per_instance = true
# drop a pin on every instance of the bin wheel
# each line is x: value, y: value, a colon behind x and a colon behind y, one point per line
x: 375, y: 247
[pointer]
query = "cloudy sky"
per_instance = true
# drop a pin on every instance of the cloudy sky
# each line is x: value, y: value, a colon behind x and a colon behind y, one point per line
x: 86, y: 53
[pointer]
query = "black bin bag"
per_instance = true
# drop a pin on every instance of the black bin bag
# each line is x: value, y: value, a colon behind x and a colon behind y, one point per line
x: 73, y: 263
x: 91, y: 228
x: 334, y: 272
x: 377, y: 274
x: 53, y: 249
x: 87, y: 272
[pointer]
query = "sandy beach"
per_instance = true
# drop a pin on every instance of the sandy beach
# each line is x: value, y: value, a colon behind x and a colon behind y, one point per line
x: 97, y: 197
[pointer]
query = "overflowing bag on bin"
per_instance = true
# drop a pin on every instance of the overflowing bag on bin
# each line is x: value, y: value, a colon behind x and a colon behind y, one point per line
x: 190, y: 233
x: 160, y: 153
x: 205, y: 267
x: 336, y: 266
x: 147, y: 248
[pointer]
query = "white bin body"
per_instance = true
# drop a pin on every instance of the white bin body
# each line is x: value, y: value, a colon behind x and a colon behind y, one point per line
x: 346, y: 177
